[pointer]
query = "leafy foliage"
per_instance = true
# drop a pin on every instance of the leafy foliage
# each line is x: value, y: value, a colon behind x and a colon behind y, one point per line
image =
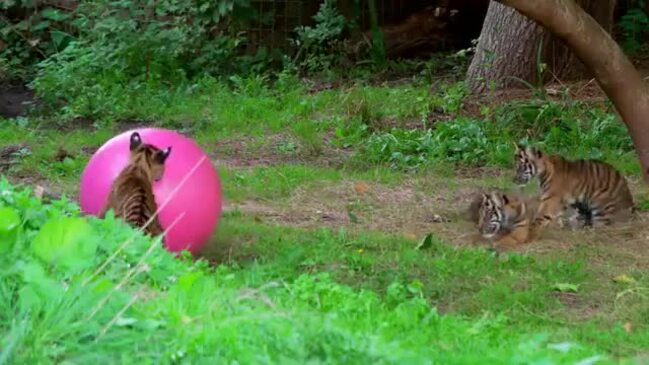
x: 66, y: 242
x: 635, y: 27
x: 569, y: 128
x: 129, y: 45
x: 9, y: 227
x: 320, y: 47
x: 30, y: 33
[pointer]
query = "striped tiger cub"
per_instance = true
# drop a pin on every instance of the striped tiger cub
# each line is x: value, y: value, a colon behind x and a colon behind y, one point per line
x: 501, y: 218
x: 595, y: 189
x: 131, y: 195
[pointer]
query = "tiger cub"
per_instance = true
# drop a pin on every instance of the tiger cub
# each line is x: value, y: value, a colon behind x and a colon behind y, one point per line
x: 131, y: 195
x: 595, y: 189
x: 501, y: 218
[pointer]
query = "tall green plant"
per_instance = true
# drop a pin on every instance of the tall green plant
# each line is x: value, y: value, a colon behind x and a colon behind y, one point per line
x: 378, y: 46
x: 319, y: 47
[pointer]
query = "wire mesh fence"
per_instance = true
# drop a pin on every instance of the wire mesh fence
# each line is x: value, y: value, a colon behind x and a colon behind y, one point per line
x: 276, y: 20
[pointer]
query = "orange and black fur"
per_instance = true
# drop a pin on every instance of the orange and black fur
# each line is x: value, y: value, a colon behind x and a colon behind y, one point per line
x: 501, y: 218
x: 131, y: 196
x: 595, y: 189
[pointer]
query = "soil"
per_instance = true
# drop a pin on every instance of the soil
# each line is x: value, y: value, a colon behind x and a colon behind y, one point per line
x: 15, y: 100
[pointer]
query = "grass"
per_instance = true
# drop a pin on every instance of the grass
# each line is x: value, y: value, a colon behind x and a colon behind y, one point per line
x: 290, y: 295
x: 325, y: 268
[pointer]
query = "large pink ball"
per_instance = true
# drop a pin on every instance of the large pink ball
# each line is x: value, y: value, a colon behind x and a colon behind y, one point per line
x: 199, y: 198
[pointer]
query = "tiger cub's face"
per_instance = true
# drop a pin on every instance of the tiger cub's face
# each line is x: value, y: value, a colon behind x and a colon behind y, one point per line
x: 148, y: 157
x: 492, y: 214
x: 528, y: 162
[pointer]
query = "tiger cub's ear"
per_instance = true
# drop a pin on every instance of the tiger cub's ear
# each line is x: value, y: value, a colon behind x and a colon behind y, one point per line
x: 136, y: 140
x: 162, y: 156
x: 518, y: 147
x: 505, y: 199
x: 534, y: 152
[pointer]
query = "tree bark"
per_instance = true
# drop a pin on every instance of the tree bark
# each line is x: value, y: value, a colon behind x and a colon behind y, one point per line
x: 506, y: 50
x: 509, y: 46
x: 613, y: 71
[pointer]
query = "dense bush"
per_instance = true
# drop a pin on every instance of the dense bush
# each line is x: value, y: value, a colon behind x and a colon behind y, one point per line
x: 123, y: 46
x: 634, y: 25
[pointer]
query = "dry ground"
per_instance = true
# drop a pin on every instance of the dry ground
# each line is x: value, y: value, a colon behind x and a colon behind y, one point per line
x: 431, y: 205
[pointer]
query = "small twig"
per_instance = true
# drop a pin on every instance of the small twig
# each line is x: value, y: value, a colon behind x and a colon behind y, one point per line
x: 556, y: 78
x: 583, y: 87
x: 524, y: 308
x: 636, y: 290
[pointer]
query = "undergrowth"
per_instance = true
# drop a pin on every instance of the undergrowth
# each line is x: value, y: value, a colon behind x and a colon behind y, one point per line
x: 569, y: 128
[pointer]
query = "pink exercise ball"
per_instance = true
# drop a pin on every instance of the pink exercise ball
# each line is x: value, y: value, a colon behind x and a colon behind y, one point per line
x: 199, y: 196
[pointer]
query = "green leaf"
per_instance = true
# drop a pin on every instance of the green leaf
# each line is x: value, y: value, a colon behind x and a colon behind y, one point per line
x: 67, y: 242
x: 39, y: 290
x: 352, y: 217
x: 149, y: 324
x: 415, y: 287
x: 125, y: 321
x: 41, y: 25
x: 623, y: 279
x: 60, y: 39
x: 186, y: 281
x: 28, y: 300
x: 9, y: 225
x: 54, y: 14
x: 426, y: 243
x: 565, y: 287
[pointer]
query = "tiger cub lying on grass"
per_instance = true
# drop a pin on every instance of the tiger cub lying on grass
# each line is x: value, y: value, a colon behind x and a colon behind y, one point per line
x: 502, y: 218
x: 594, y: 188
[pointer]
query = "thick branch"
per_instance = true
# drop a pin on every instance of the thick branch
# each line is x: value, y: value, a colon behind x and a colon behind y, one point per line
x: 613, y: 71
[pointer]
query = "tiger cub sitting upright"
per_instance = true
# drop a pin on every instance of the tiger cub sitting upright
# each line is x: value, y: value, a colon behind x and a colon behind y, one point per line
x: 131, y: 195
x: 501, y: 218
x: 594, y: 188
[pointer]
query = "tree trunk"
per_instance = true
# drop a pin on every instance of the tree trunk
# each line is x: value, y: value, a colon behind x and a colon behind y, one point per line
x: 509, y: 45
x: 506, y: 50
x: 596, y: 48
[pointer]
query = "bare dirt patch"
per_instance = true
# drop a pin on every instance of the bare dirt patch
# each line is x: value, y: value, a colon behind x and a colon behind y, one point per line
x: 358, y: 205
x: 277, y: 149
x: 417, y: 208
x: 15, y: 100
x: 587, y: 91
x: 10, y: 155
x: 41, y: 187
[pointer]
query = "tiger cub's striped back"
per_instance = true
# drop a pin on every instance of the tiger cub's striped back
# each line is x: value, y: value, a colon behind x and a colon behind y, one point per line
x: 131, y: 195
x: 501, y: 218
x: 597, y: 188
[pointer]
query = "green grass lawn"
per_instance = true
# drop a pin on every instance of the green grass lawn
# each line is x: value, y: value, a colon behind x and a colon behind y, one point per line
x: 317, y: 258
